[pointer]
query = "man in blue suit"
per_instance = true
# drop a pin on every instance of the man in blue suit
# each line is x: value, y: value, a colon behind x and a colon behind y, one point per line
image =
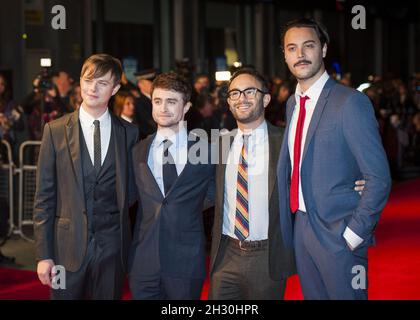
x: 174, y: 176
x: 331, y: 140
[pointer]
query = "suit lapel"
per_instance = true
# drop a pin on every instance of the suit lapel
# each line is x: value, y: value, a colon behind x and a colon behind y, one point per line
x: 290, y: 108
x: 184, y: 172
x: 120, y: 144
x: 274, y: 143
x: 73, y: 142
x: 144, y: 155
x: 319, y: 108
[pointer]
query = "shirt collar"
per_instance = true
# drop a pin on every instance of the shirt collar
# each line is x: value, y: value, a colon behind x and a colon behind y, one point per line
x: 179, y: 139
x: 258, y: 134
x: 87, y: 120
x: 315, y: 90
x: 127, y: 118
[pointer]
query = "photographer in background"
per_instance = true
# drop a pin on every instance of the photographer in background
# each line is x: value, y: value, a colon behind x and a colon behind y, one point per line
x: 42, y: 105
x: 11, y: 120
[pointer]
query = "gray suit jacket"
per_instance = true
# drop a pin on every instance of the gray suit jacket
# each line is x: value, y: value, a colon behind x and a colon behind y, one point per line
x: 281, y: 259
x: 60, y: 218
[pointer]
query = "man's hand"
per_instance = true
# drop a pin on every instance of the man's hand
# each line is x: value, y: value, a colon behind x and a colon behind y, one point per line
x: 360, y: 186
x: 44, y: 271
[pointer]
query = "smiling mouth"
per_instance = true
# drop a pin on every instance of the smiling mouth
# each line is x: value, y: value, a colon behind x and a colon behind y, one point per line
x: 242, y: 107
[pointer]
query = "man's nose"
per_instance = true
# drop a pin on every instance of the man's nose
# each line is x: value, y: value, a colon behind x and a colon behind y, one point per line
x: 300, y: 52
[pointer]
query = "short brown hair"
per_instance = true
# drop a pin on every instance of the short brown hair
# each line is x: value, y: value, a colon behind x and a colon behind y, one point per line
x: 100, y: 64
x: 175, y: 82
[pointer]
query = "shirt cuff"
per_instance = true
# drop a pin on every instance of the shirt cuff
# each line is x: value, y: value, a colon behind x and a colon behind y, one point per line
x: 352, y: 238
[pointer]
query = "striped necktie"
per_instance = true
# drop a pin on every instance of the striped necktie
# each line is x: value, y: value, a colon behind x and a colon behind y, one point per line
x: 242, y: 207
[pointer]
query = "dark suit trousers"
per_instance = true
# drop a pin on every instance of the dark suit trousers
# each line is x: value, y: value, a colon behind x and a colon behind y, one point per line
x: 326, y: 275
x: 159, y: 287
x: 243, y: 275
x: 100, y: 277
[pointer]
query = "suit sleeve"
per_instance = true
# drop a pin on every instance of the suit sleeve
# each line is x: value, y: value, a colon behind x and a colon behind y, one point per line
x: 362, y: 136
x: 45, y: 201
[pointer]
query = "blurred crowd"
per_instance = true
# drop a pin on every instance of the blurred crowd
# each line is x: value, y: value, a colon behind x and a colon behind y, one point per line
x: 396, y: 103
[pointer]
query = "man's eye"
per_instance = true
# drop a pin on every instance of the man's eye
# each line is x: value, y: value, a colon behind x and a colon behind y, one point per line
x: 291, y: 49
x: 309, y: 46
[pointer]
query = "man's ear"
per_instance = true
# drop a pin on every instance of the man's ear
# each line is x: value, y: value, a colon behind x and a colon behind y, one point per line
x: 324, y: 50
x: 266, y: 99
x: 116, y: 88
x: 187, y: 107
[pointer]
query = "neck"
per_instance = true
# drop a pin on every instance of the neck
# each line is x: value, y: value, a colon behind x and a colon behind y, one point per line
x: 96, y: 112
x: 305, y: 84
x: 248, y: 127
x: 170, y: 131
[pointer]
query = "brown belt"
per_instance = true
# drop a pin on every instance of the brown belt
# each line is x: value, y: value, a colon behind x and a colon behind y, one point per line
x: 246, y: 245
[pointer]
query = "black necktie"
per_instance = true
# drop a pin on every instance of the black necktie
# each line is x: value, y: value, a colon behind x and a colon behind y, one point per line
x: 97, y: 157
x: 168, y: 167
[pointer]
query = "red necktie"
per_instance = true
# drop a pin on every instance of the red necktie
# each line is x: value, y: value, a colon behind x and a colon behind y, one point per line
x: 294, y: 187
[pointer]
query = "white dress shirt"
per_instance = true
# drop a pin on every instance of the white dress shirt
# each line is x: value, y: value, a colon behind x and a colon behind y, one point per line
x: 313, y: 93
x: 127, y: 118
x: 258, y: 162
x: 88, y: 128
x: 178, y: 151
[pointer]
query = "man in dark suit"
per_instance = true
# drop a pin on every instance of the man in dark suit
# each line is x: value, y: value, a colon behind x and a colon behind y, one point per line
x: 248, y: 258
x: 143, y: 103
x: 167, y: 257
x: 83, y: 191
x: 331, y: 139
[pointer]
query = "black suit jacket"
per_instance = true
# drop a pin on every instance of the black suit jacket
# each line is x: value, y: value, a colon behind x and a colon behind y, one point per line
x: 60, y: 217
x: 281, y: 260
x: 169, y: 234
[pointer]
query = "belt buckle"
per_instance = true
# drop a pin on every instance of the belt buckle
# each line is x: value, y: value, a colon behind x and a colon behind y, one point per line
x: 242, y: 248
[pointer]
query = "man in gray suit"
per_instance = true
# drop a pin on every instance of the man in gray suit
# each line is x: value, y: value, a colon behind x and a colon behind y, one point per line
x: 255, y: 265
x: 83, y: 191
x: 167, y: 257
x: 331, y: 140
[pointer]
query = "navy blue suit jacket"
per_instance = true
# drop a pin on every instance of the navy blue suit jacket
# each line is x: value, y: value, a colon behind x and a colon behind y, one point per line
x: 169, y: 234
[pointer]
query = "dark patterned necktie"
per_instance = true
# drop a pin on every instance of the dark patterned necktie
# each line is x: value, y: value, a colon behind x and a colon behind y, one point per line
x: 168, y: 167
x: 97, y: 156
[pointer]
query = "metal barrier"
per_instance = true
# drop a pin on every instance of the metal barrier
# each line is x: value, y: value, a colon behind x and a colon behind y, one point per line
x: 6, y: 184
x: 27, y: 185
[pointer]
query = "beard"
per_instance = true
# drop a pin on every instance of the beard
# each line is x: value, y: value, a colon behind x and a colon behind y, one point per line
x: 252, y: 114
